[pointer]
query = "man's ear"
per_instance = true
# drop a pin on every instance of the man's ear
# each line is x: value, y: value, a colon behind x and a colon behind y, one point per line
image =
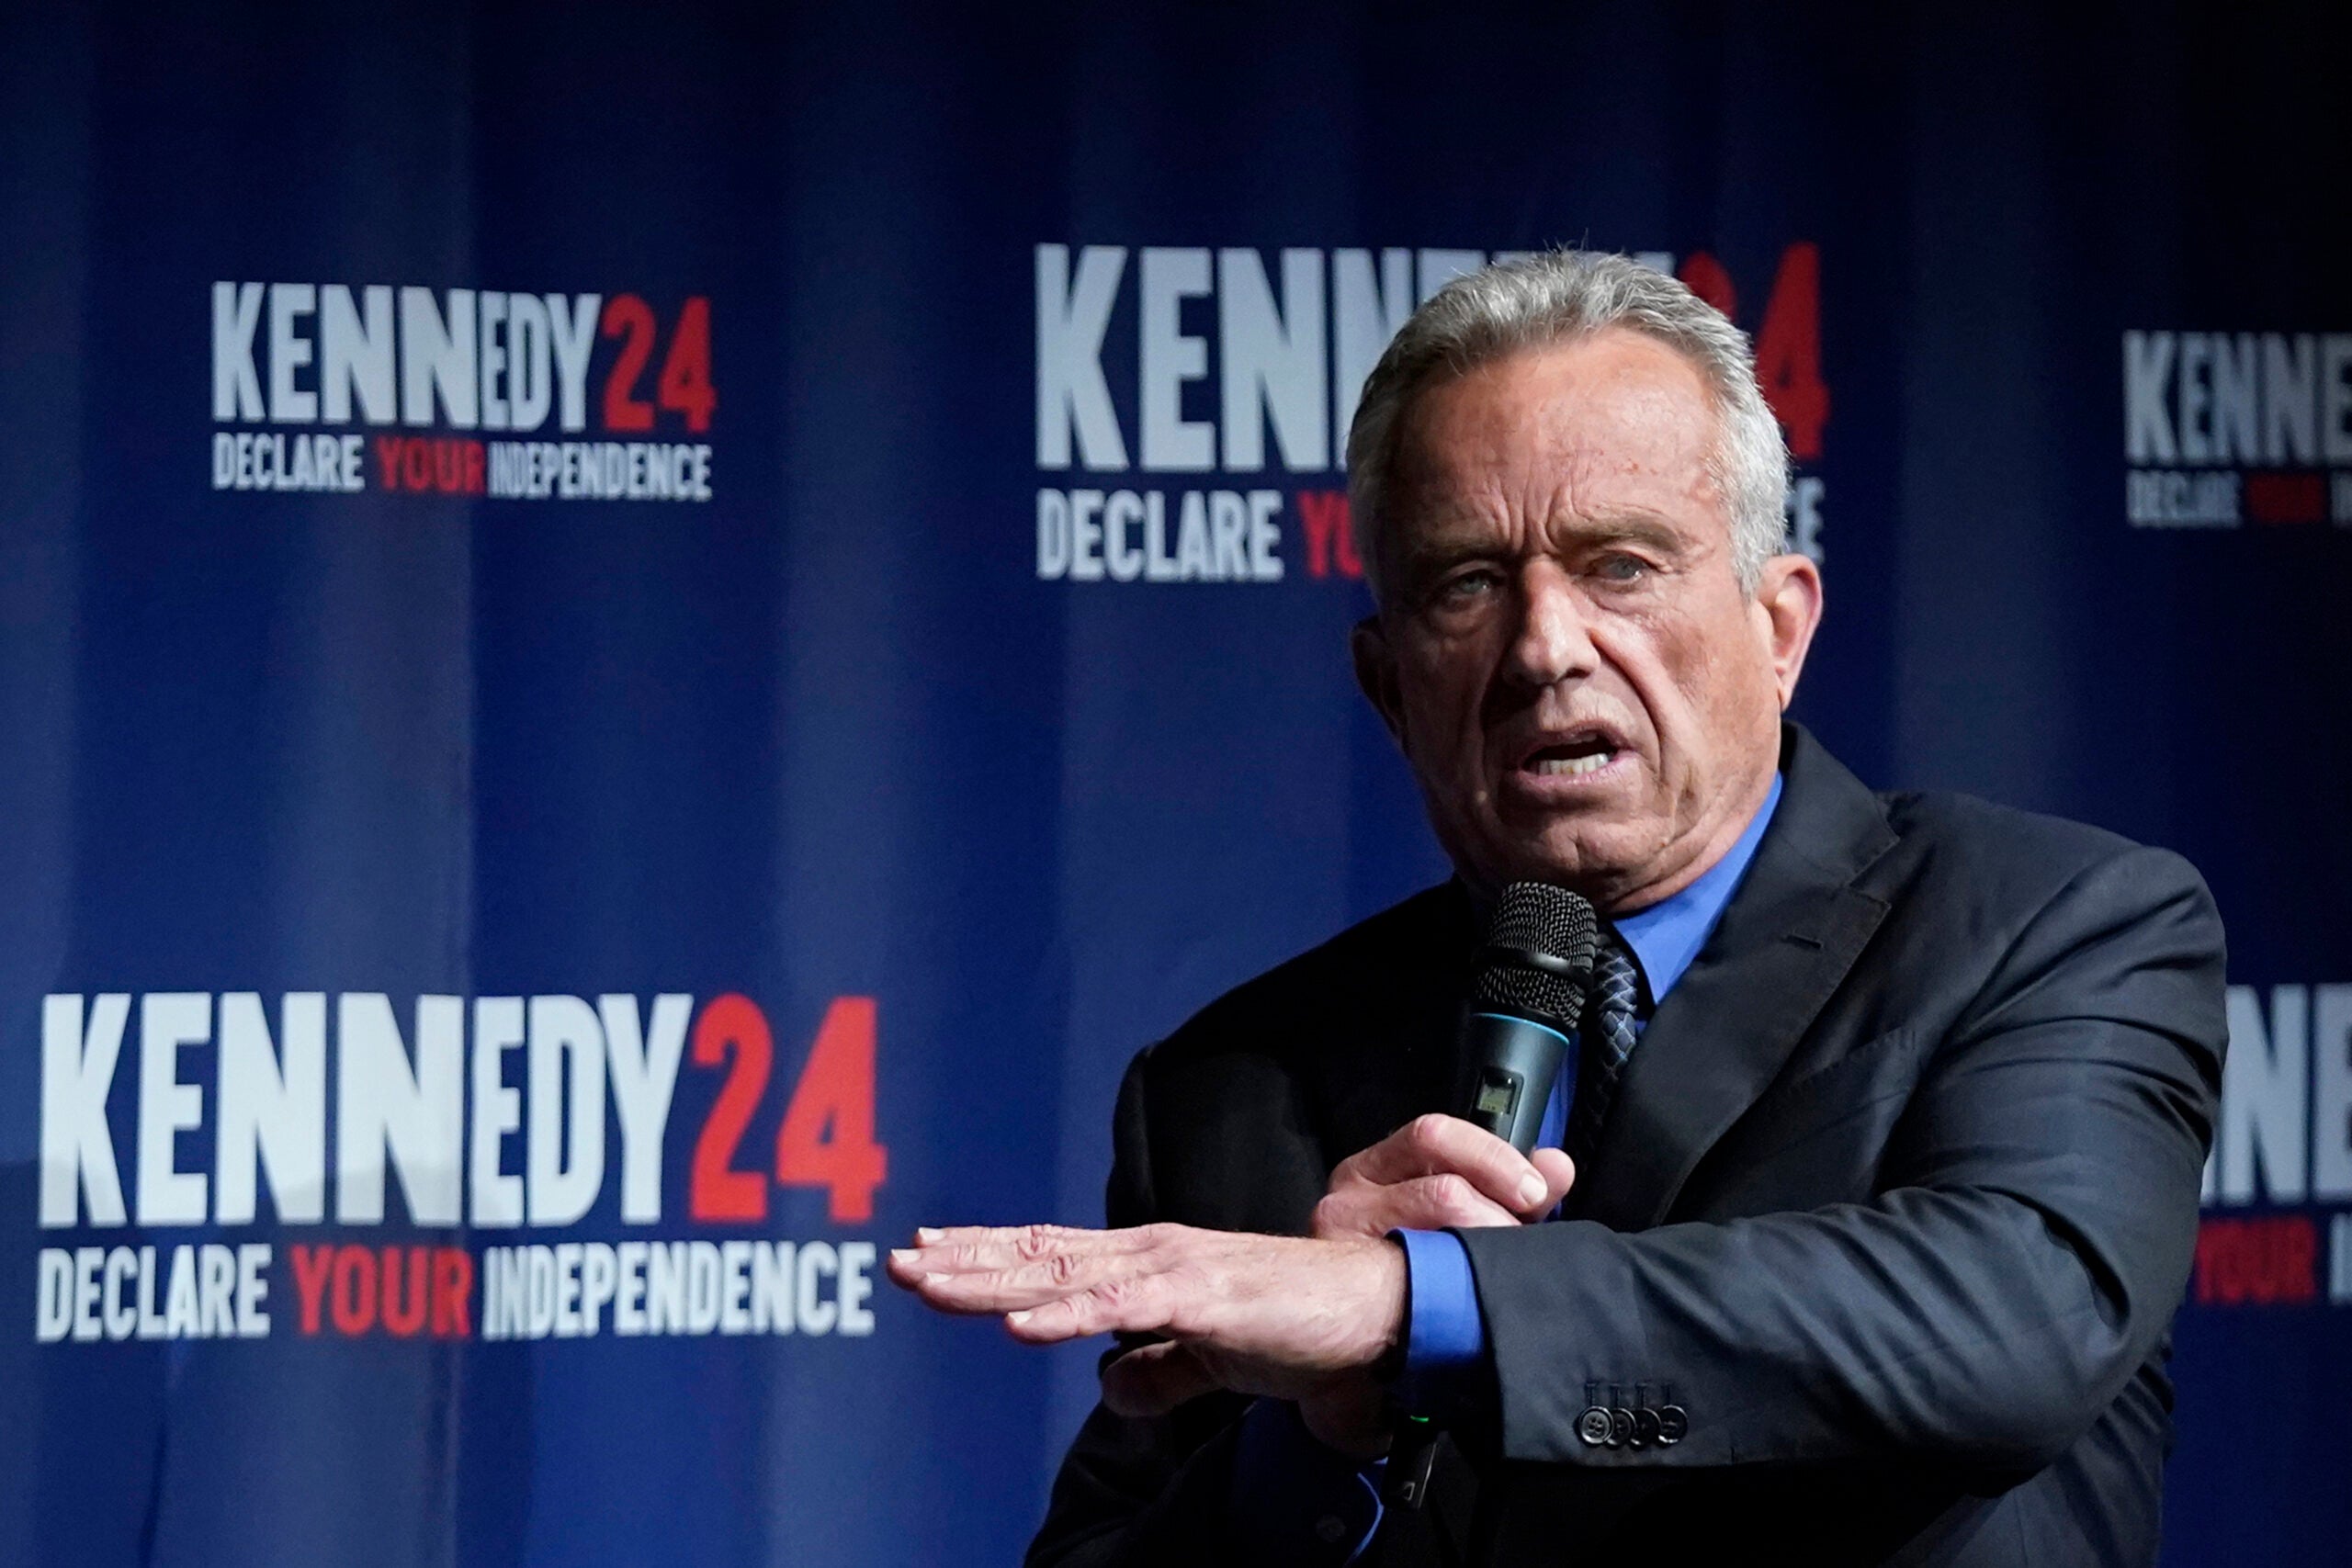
x: 1788, y: 602
x: 1377, y: 673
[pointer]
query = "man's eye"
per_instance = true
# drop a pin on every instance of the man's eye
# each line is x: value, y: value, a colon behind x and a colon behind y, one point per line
x: 1468, y: 587
x: 1623, y: 568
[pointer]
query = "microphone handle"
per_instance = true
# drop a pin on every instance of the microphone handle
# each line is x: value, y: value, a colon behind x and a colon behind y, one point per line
x: 1509, y: 1063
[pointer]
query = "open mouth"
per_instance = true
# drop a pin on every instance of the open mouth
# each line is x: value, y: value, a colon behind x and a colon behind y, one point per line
x: 1578, y: 754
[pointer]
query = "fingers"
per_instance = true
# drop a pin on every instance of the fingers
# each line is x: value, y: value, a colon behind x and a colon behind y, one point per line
x: 986, y: 1249
x: 1052, y: 1282
x: 1423, y: 1204
x: 1017, y: 1289
x: 1155, y: 1379
x: 1559, y: 1174
x: 1131, y: 1304
x: 1440, y: 1146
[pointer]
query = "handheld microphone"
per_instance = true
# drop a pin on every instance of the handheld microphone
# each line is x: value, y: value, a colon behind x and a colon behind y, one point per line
x: 1516, y: 1031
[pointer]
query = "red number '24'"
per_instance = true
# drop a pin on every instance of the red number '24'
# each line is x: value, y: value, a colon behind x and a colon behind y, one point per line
x: 827, y: 1136
x: 682, y: 387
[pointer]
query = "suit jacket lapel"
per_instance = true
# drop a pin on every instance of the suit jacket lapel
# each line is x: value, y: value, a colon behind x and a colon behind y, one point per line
x: 1785, y: 942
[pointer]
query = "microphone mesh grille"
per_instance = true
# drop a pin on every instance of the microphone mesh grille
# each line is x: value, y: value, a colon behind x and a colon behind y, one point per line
x: 1539, y: 918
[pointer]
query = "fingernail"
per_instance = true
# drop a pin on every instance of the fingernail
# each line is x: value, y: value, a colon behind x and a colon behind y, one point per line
x: 1017, y: 1318
x: 925, y: 1234
x: 904, y: 1255
x: 1532, y: 1190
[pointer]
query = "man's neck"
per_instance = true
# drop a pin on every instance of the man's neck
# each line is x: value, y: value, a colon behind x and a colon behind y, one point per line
x: 1613, y: 897
x: 1714, y: 843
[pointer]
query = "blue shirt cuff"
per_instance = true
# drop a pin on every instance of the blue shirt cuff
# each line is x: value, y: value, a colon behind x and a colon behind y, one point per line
x: 1445, y: 1337
x: 1295, y: 1499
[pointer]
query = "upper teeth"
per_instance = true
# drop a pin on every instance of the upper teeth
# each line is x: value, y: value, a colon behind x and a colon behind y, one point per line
x: 1573, y: 764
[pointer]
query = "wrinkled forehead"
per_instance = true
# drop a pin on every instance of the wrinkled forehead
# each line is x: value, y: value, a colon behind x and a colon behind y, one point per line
x: 1608, y: 425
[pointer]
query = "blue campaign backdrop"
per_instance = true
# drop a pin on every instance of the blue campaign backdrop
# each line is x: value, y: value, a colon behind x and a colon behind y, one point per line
x: 2057, y: 324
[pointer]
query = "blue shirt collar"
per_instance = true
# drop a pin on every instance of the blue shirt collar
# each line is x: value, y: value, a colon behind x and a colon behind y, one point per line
x: 1666, y: 936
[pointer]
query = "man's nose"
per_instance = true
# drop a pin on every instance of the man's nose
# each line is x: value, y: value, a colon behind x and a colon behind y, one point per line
x: 1554, y: 641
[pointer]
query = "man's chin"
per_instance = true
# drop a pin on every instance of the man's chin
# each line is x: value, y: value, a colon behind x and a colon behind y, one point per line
x: 1598, y: 864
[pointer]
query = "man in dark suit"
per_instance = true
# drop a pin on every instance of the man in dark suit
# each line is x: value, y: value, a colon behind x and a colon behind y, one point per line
x: 1890, y: 1109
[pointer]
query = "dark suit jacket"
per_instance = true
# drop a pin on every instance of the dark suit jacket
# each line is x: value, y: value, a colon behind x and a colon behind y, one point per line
x: 1896, y: 1202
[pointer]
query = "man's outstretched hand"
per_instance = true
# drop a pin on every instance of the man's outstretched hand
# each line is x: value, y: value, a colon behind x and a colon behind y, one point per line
x: 1278, y: 1316
x: 1289, y: 1317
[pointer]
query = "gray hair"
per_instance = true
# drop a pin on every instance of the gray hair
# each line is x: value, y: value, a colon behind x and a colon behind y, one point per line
x: 1537, y: 300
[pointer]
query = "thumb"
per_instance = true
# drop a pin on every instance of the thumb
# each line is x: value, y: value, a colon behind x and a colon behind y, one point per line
x: 1155, y: 1379
x: 1559, y: 1174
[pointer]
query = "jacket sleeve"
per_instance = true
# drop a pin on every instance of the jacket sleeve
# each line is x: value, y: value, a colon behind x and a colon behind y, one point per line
x: 2030, y: 1237
x: 1134, y: 1492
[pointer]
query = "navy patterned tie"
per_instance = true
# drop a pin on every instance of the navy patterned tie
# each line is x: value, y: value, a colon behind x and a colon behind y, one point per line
x: 1605, y: 1035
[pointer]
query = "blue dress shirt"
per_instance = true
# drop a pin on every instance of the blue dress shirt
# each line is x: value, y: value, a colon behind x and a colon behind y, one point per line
x: 1284, y: 1478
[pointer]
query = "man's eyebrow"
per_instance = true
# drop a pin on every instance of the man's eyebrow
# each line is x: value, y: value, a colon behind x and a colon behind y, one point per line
x: 1634, y: 528
x: 1438, y: 548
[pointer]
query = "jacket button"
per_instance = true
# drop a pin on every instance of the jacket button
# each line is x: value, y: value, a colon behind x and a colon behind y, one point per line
x: 1594, y: 1425
x: 1621, y: 1427
x: 1673, y: 1425
x: 1647, y: 1427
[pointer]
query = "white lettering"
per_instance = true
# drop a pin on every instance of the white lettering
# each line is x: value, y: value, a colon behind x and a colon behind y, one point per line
x: 1053, y: 533
x: 771, y: 1281
x: 272, y: 1115
x: 814, y: 1314
x: 1125, y: 557
x: 437, y: 356
x: 497, y: 1111
x: 53, y: 1298
x: 76, y: 1072
x: 567, y: 1290
x: 599, y: 1276
x: 1170, y: 357
x: 1085, y: 535
x: 1365, y: 313
x: 1273, y: 355
x: 236, y: 316
x: 735, y: 1294
x: 530, y: 378
x: 856, y: 1288
x: 355, y: 359
x: 1265, y: 537
x: 2147, y: 427
x: 288, y: 352
x: 1228, y: 526
x: 629, y: 1292
x: 1192, y: 562
x: 253, y: 1288
x: 2237, y: 407
x: 1071, y: 320
x: 167, y: 1107
x: 644, y: 1075
x: 382, y: 1106
x: 489, y: 358
x: 566, y: 1152
x: 2331, y: 1093
x: 2336, y: 396
x: 2195, y: 398
x: 702, y: 1287
x: 1804, y: 516
x: 2263, y: 1102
